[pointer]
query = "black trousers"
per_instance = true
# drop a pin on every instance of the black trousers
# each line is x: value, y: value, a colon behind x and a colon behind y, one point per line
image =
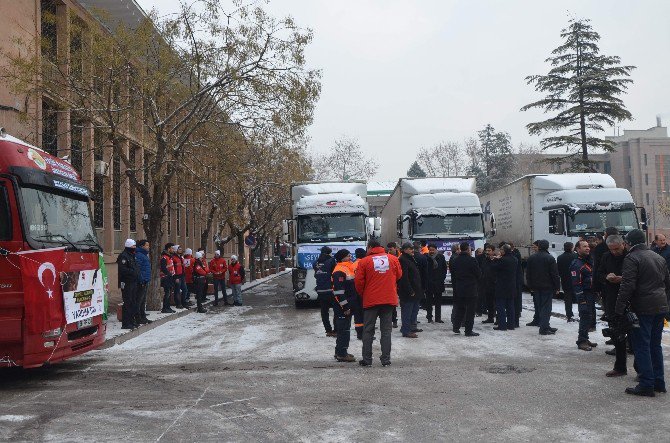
x: 490, y: 303
x: 433, y: 299
x: 464, y: 312
x: 200, y: 290
x: 326, y: 303
x: 167, y: 292
x: 567, y: 298
x: 140, y: 312
x: 129, y: 295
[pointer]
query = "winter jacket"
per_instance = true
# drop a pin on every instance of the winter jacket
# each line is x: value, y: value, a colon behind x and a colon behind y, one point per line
x: 465, y: 275
x: 488, y: 275
x: 645, y: 284
x: 142, y: 258
x: 436, y: 270
x: 344, y: 289
x: 597, y: 254
x: 167, y: 270
x: 663, y: 252
x: 610, y: 264
x: 129, y: 270
x: 506, y: 270
x: 189, y: 262
x: 581, y: 273
x: 409, y: 285
x: 323, y: 273
x: 422, y: 264
x: 178, y: 265
x: 542, y: 272
x: 564, y: 261
x: 235, y: 273
x: 200, y: 269
x: 376, y: 278
x: 219, y: 268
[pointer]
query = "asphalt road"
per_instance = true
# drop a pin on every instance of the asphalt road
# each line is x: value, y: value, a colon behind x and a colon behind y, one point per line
x: 265, y: 372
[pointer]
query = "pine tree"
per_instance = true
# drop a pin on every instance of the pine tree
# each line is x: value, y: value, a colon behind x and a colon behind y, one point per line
x: 582, y: 86
x: 492, y: 160
x: 415, y: 171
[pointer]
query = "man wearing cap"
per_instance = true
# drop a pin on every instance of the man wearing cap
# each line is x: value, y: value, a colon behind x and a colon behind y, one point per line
x: 235, y: 279
x: 142, y: 258
x: 645, y: 290
x: 323, y: 270
x: 129, y: 278
x: 344, y: 300
x: 410, y: 291
x: 219, y: 269
x: 200, y: 271
x: 465, y: 276
x: 167, y: 277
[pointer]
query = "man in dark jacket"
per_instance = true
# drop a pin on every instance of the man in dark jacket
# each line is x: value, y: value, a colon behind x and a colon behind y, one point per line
x: 410, y: 290
x: 323, y: 270
x: 421, y: 263
x: 609, y: 273
x: 581, y: 272
x: 518, y: 300
x: 645, y: 285
x: 129, y: 278
x: 436, y: 272
x: 465, y: 276
x: 661, y: 247
x: 542, y: 278
x: 597, y: 254
x: 167, y: 277
x: 142, y: 258
x: 564, y: 261
x: 505, y: 268
x: 344, y: 301
x: 488, y: 282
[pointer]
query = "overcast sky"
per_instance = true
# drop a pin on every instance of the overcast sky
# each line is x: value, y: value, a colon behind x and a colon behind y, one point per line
x: 401, y: 75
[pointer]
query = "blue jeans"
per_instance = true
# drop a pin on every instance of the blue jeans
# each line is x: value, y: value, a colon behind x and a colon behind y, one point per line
x: 408, y: 310
x: 544, y: 304
x: 185, y: 294
x: 584, y: 302
x: 177, y: 290
x: 220, y: 284
x: 648, y: 351
x: 506, y: 316
x: 343, y: 328
x: 237, y: 292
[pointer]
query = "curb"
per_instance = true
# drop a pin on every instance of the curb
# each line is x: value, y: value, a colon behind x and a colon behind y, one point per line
x: 120, y: 339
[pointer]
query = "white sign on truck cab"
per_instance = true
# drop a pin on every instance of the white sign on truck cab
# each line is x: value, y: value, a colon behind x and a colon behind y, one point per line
x: 333, y: 214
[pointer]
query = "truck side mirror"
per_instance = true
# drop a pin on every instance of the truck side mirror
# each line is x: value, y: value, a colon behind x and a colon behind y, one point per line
x: 643, y: 219
x: 377, y: 227
x: 287, y: 230
x: 493, y: 230
x: 398, y: 226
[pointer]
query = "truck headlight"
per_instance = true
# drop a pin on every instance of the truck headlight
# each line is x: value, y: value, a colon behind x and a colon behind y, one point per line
x: 301, y: 284
x: 52, y: 333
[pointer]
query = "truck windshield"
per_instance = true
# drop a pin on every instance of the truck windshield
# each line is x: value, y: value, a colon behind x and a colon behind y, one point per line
x: 586, y: 222
x: 313, y: 228
x: 449, y: 224
x: 56, y: 219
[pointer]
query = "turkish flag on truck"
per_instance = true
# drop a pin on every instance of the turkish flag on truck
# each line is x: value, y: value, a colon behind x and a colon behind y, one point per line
x: 42, y: 292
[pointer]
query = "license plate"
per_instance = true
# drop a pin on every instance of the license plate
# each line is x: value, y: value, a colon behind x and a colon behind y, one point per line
x: 84, y: 323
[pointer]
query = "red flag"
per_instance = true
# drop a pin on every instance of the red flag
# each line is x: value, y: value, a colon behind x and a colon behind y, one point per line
x: 43, y: 295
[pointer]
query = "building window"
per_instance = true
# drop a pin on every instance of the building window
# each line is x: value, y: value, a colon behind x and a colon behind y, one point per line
x: 178, y: 208
x: 628, y: 162
x: 647, y: 195
x: 76, y: 151
x: 116, y: 192
x: 646, y: 179
x: 132, y: 157
x: 169, y: 217
x: 77, y: 28
x: 663, y: 177
x: 186, y: 217
x: 607, y: 167
x: 49, y: 44
x: 645, y: 159
x: 98, y: 185
x: 49, y: 127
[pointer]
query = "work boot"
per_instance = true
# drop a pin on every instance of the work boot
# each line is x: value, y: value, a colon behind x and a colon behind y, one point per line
x: 553, y: 329
x: 386, y: 363
x: 584, y: 346
x: 615, y: 373
x: 417, y: 330
x: 430, y: 320
x: 395, y: 324
x: 547, y: 332
x: 201, y: 310
x: 456, y: 331
x: 611, y: 352
x: 439, y: 321
x: 472, y: 334
x: 593, y: 345
x: 570, y: 320
x: 345, y: 358
x: 331, y: 334
x: 532, y: 324
x: 364, y: 363
x: 166, y: 311
x: 488, y: 320
x: 642, y: 392
x: 660, y: 389
x: 410, y: 335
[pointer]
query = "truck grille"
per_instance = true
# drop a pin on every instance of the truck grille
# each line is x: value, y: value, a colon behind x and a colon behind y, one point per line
x: 76, y: 335
x: 82, y: 345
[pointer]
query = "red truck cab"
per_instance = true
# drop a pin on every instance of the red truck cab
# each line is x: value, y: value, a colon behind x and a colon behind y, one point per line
x: 44, y: 206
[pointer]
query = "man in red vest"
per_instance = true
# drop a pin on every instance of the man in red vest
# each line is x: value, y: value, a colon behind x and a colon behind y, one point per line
x: 376, y: 281
x: 178, y: 277
x: 189, y: 261
x: 167, y: 277
x: 219, y: 268
x: 235, y: 279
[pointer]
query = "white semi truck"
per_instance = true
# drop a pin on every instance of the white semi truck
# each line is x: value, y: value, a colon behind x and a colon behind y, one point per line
x: 441, y: 211
x: 559, y: 208
x: 333, y: 214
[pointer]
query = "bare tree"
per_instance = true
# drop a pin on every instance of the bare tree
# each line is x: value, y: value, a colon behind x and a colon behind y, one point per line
x: 344, y: 161
x: 442, y: 160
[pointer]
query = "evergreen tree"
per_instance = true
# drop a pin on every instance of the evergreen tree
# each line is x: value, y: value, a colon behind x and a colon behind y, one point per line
x: 415, y: 171
x: 582, y: 86
x: 492, y: 160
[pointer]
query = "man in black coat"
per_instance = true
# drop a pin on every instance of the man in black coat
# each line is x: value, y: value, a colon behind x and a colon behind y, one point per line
x: 465, y: 275
x: 422, y: 264
x: 436, y: 272
x: 564, y: 261
x: 542, y: 278
x: 518, y: 300
x: 323, y: 272
x: 410, y: 291
x: 488, y: 282
x: 505, y: 268
x: 597, y: 253
x: 609, y: 273
x: 129, y: 279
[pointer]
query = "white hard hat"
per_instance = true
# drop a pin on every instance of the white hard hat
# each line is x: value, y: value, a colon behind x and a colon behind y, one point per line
x: 198, y: 254
x: 217, y: 252
x: 233, y: 257
x: 188, y: 251
x: 130, y: 243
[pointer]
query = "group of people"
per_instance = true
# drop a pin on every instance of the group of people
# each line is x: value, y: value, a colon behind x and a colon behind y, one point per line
x: 631, y: 280
x: 182, y: 273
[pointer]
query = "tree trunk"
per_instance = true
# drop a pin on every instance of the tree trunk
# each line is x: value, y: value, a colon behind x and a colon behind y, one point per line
x: 154, y: 233
x: 204, y: 237
x: 582, y: 129
x: 240, y: 247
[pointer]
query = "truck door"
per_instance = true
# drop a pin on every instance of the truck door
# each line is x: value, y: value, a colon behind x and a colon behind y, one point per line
x: 11, y: 294
x: 557, y: 230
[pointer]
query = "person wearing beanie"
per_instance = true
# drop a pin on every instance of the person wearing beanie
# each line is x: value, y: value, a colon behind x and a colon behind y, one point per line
x: 344, y: 300
x: 167, y: 277
x: 645, y: 291
x: 200, y: 271
x: 219, y: 269
x: 142, y: 257
x: 189, y: 262
x: 236, y: 276
x: 323, y: 272
x: 581, y: 272
x: 129, y: 279
x: 410, y: 291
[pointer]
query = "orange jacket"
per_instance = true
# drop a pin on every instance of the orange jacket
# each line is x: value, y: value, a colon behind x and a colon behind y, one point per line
x: 376, y: 278
x: 219, y: 268
x: 424, y: 250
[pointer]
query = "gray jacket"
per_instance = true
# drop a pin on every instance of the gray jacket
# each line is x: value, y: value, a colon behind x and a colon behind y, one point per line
x: 645, y: 283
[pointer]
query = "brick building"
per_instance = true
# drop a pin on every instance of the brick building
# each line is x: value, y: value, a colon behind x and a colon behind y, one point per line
x: 117, y: 211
